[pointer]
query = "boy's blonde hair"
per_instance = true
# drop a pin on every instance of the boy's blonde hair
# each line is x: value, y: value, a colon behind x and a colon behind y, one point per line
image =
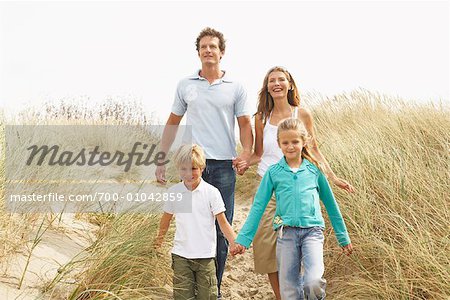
x: 297, y: 125
x: 190, y: 154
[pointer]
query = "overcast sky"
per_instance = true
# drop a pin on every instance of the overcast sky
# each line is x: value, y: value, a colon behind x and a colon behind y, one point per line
x: 140, y: 50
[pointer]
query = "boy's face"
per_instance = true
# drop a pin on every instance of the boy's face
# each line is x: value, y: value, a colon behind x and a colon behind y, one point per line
x: 190, y: 174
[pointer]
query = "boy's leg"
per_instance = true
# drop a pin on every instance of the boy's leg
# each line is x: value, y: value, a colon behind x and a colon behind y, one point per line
x: 288, y: 259
x: 220, y: 173
x: 183, y: 278
x: 312, y: 249
x: 206, y: 279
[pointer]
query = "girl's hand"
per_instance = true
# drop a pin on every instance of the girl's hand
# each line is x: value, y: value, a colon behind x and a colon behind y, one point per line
x: 347, y: 249
x: 343, y: 184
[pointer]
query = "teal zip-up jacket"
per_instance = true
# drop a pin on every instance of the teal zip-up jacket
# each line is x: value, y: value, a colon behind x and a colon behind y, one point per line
x: 297, y: 197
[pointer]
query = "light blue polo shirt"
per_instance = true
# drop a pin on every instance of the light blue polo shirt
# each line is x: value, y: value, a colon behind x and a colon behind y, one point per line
x: 211, y: 110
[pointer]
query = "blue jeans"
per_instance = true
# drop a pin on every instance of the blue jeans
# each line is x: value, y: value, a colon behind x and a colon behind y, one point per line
x: 294, y: 246
x: 220, y: 173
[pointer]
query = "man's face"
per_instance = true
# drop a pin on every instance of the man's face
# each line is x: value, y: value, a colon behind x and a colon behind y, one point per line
x: 209, y: 51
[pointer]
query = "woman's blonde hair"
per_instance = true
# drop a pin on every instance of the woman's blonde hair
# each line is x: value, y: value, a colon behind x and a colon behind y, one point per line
x: 265, y: 100
x: 192, y: 154
x: 299, y: 127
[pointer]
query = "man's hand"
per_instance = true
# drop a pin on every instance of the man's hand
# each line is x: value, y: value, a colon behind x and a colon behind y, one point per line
x: 161, y: 174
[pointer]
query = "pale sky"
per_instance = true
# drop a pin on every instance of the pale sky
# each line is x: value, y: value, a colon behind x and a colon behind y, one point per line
x: 140, y: 50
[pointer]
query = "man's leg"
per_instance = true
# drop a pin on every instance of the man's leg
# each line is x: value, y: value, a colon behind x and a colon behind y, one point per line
x: 220, y: 173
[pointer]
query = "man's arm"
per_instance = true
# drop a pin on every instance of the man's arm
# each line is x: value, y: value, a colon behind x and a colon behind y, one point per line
x: 168, y: 136
x: 246, y: 138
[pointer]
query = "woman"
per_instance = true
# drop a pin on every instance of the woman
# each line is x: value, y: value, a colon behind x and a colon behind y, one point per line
x: 278, y: 99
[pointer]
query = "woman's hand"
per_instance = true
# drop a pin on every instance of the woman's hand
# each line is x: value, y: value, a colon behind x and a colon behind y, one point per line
x: 343, y: 184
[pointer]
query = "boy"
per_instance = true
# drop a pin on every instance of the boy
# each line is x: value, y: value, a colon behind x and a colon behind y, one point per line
x: 194, y: 246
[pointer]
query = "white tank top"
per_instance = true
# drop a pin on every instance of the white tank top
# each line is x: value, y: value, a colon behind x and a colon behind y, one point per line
x: 272, y: 153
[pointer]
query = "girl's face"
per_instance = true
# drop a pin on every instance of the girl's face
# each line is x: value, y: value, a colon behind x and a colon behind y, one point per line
x: 291, y: 144
x: 278, y: 85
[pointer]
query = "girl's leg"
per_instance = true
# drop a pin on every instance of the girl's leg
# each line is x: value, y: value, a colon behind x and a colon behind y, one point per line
x: 312, y: 249
x: 275, y: 283
x: 288, y: 258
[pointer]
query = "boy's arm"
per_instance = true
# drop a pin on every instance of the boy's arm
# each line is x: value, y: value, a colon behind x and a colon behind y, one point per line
x: 327, y: 197
x: 226, y: 228
x: 163, y: 227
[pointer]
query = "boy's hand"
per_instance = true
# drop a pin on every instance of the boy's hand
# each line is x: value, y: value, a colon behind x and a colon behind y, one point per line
x: 347, y: 249
x: 157, y: 243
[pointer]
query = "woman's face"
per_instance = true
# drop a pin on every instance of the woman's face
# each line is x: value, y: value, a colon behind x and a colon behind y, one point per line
x: 278, y: 85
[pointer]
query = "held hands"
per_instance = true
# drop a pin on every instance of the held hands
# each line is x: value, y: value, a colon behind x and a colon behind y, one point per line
x: 242, y: 162
x: 347, y: 249
x: 240, y: 166
x: 236, y: 249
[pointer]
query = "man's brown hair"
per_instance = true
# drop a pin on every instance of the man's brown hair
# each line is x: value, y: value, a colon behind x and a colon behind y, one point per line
x: 208, y: 31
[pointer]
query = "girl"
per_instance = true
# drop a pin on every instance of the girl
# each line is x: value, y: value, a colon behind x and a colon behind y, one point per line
x: 278, y: 99
x: 298, y: 185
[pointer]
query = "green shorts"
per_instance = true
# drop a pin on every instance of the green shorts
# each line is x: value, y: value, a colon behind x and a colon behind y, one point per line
x: 194, y: 278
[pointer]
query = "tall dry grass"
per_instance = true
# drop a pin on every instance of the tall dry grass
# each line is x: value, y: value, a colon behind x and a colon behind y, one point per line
x: 395, y: 154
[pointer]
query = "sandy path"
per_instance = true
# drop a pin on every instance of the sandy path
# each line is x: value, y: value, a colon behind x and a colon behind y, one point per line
x: 58, y: 246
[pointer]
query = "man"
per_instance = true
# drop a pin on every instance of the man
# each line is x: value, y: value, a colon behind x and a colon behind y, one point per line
x: 211, y: 101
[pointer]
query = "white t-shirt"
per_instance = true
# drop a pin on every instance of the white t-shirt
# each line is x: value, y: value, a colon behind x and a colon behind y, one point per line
x: 195, y: 233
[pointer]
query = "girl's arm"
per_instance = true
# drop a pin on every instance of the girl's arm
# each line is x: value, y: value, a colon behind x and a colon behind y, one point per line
x: 262, y: 198
x: 306, y: 117
x: 334, y: 213
x: 163, y: 227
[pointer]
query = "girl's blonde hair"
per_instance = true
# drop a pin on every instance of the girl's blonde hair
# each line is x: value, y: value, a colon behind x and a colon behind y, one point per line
x: 265, y: 100
x: 192, y: 154
x: 299, y: 127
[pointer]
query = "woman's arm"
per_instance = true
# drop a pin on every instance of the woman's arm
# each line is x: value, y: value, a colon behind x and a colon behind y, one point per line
x: 306, y: 117
x: 259, y: 133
